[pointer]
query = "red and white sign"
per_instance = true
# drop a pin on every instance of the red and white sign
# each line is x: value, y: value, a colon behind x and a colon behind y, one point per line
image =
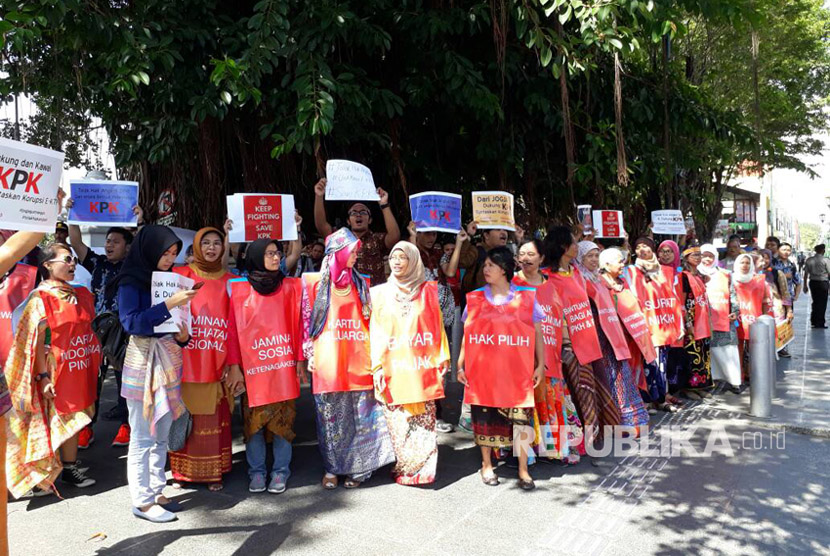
x: 29, y: 181
x: 608, y: 223
x: 259, y: 216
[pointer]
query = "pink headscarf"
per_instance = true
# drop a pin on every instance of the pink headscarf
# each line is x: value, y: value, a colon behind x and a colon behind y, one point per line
x: 674, y: 247
x: 341, y: 274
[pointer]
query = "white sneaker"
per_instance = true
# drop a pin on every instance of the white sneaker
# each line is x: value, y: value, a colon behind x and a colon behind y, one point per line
x: 156, y: 514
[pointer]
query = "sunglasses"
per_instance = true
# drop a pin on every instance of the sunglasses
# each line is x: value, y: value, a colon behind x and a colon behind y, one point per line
x: 359, y: 213
x: 67, y: 259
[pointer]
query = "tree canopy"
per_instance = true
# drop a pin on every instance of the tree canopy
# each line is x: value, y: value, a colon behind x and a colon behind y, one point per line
x: 626, y: 104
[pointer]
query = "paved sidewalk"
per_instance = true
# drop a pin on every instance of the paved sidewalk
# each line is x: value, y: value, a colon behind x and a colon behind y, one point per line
x: 758, y: 492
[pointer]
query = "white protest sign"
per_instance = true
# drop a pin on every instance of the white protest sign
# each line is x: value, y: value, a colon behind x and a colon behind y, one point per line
x: 669, y: 222
x: 164, y: 286
x: 261, y: 216
x: 349, y: 181
x: 29, y: 180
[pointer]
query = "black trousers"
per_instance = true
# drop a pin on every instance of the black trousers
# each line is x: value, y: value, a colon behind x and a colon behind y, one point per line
x: 818, y: 290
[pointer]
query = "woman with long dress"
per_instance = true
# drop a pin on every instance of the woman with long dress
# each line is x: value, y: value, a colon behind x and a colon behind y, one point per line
x: 695, y: 373
x: 753, y: 300
x: 410, y: 355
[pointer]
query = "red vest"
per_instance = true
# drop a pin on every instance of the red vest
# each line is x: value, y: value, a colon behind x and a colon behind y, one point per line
x: 408, y: 347
x: 632, y: 317
x: 659, y: 303
x: 13, y: 292
x: 203, y: 359
x: 75, y: 348
x: 576, y: 310
x: 717, y: 289
x: 701, y: 324
x: 269, y: 329
x: 342, y: 361
x: 499, y: 345
x: 751, y: 301
x: 608, y: 319
x: 548, y: 299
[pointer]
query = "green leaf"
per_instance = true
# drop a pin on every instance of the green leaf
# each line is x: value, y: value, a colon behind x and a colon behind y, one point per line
x: 226, y: 97
x: 144, y: 77
x: 546, y: 56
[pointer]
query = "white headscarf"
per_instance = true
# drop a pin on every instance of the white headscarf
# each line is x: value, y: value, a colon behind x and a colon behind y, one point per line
x: 704, y: 269
x: 583, y: 248
x: 741, y: 277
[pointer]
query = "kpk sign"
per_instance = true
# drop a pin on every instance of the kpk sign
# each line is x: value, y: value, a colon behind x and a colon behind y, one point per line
x: 29, y: 180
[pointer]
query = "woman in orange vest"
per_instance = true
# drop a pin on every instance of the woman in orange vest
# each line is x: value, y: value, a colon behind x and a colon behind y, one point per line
x: 694, y: 376
x: 753, y: 300
x: 351, y: 428
x: 502, y: 360
x: 613, y: 367
x: 52, y: 372
x: 653, y: 287
x: 556, y: 417
x: 580, y: 343
x: 410, y: 355
x: 206, y: 454
x: 724, y: 309
x: 270, y: 353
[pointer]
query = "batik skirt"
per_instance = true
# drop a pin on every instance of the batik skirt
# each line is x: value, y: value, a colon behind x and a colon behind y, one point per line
x: 412, y: 430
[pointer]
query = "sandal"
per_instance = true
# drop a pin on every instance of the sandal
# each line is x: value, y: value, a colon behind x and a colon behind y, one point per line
x: 351, y: 483
x: 330, y: 483
x: 215, y: 487
x: 490, y: 480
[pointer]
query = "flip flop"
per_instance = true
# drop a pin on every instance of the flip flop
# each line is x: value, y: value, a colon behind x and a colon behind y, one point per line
x: 351, y: 483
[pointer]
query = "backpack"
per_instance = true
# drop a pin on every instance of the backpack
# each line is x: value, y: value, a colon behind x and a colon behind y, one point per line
x: 113, y: 338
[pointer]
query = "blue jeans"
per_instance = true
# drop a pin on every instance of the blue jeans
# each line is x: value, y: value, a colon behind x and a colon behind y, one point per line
x: 255, y: 454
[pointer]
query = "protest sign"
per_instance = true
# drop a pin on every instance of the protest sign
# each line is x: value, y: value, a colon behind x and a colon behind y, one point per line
x: 164, y: 286
x: 608, y: 223
x: 349, y: 181
x: 583, y: 216
x: 434, y: 211
x: 493, y: 210
x: 29, y: 180
x: 103, y: 202
x: 261, y: 215
x: 669, y: 222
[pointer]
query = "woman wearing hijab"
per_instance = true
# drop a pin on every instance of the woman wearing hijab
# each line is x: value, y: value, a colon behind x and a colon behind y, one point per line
x: 782, y: 302
x: 270, y: 352
x: 206, y: 454
x: 502, y: 361
x: 351, y: 428
x: 151, y: 380
x: 724, y: 310
x: 580, y: 343
x: 613, y: 366
x: 52, y: 371
x: 556, y: 417
x: 753, y: 300
x: 654, y: 290
x: 695, y: 373
x: 669, y: 256
x: 410, y: 355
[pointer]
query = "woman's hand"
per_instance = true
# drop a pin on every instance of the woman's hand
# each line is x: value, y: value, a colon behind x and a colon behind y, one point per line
x: 733, y: 316
x: 379, y: 380
x: 302, y: 372
x: 234, y: 380
x: 184, y: 335
x: 47, y: 388
x: 462, y: 377
x: 443, y: 370
x: 228, y: 226
x: 180, y: 298
x: 538, y: 375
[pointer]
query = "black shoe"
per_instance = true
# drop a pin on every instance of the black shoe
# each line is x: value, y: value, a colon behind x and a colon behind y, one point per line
x: 784, y: 353
x: 526, y: 485
x: 73, y: 475
x: 117, y: 413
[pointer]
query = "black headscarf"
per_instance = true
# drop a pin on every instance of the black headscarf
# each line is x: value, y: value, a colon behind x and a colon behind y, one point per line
x: 263, y: 281
x: 142, y: 260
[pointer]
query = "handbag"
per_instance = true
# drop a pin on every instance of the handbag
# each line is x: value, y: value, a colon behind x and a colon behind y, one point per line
x: 179, y: 431
x: 113, y: 338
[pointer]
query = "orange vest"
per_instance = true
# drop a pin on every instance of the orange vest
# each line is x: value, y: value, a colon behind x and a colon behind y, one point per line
x: 608, y: 319
x: 701, y: 323
x: 13, y: 292
x: 270, y: 339
x: 342, y: 360
x: 717, y: 289
x: 632, y: 317
x: 576, y: 310
x: 548, y: 299
x: 76, y: 350
x: 407, y: 348
x: 751, y: 302
x: 203, y: 358
x: 499, y: 345
x: 659, y: 303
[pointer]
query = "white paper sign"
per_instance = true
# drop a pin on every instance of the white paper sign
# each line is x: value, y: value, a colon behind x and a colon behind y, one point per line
x: 669, y: 222
x: 261, y: 215
x: 164, y: 286
x: 29, y: 181
x: 349, y: 181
